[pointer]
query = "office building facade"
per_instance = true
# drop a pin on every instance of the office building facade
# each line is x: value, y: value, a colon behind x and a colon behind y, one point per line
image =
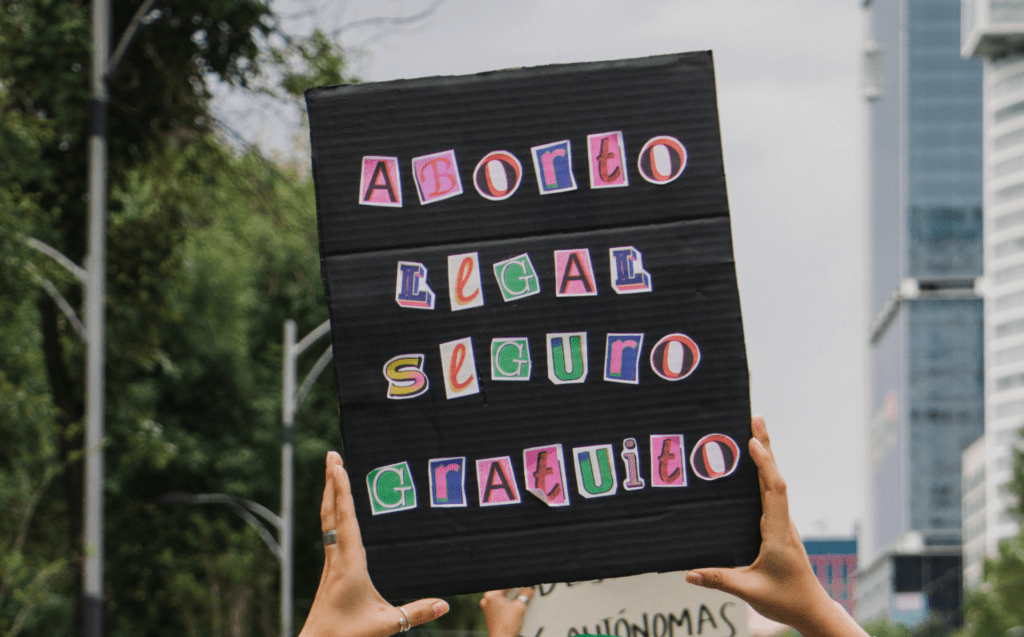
x: 926, y: 394
x: 993, y: 34
x: 834, y: 561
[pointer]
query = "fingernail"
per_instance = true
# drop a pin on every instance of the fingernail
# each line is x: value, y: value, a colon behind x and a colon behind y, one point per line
x: 694, y: 578
x: 757, y: 443
x: 440, y: 608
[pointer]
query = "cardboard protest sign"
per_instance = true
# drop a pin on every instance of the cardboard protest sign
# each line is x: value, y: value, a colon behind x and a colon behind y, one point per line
x: 536, y: 325
x: 649, y: 605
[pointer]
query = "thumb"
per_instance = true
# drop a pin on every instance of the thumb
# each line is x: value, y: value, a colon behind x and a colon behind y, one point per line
x: 425, y: 610
x: 723, y: 579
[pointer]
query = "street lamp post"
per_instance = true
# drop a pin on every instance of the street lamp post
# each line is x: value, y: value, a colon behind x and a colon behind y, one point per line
x: 290, y: 403
x: 95, y: 324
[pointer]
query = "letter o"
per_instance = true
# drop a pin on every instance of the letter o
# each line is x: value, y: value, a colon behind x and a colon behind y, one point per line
x: 675, y: 357
x: 662, y: 159
x: 714, y: 456
x: 498, y: 175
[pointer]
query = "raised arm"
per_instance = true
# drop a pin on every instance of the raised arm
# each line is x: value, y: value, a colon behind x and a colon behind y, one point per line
x: 780, y: 583
x: 346, y: 603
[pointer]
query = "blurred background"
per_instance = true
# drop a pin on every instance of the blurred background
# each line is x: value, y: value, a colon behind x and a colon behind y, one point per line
x: 873, y: 156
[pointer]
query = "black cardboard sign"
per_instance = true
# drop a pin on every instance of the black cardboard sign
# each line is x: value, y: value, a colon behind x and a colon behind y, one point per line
x: 536, y: 325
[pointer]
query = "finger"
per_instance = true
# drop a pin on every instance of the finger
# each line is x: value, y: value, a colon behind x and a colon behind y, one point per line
x: 327, y: 519
x: 345, y: 511
x: 723, y: 579
x: 774, y: 498
x: 425, y: 610
x: 527, y: 593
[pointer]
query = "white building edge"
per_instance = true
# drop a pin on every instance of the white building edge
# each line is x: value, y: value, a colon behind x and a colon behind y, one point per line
x: 994, y: 30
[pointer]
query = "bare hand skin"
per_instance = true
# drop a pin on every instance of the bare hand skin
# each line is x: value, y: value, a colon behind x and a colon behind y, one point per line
x: 780, y: 583
x: 346, y: 603
x: 504, y: 616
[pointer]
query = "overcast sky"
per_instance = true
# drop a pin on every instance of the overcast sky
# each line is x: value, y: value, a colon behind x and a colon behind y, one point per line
x: 787, y: 76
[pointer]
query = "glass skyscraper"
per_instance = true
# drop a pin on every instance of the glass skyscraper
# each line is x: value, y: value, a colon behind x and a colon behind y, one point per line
x: 924, y: 140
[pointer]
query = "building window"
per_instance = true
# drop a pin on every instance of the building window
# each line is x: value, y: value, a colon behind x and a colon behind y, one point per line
x: 1009, y: 382
x: 1010, y: 327
x: 1006, y: 302
x: 1010, y: 246
x: 1009, y: 112
x: 1011, y: 273
x: 1008, y: 140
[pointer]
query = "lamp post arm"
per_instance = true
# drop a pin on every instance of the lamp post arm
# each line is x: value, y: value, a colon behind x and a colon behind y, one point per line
x: 78, y: 271
x: 261, y: 511
x: 127, y: 38
x: 318, y: 368
x: 235, y: 504
x: 59, y: 299
x: 311, y: 338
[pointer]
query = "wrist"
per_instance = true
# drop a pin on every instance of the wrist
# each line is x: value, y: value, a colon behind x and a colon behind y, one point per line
x: 826, y: 618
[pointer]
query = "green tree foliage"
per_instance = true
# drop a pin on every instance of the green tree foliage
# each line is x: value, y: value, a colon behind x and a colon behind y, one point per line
x: 209, y: 252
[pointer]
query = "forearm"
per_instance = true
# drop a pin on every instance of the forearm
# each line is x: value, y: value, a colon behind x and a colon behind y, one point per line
x: 826, y: 618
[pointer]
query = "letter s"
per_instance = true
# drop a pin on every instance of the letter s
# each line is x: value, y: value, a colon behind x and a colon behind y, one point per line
x: 405, y: 376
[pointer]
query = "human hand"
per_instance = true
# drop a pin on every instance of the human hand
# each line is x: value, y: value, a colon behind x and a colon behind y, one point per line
x: 346, y: 602
x: 780, y: 583
x: 504, y: 616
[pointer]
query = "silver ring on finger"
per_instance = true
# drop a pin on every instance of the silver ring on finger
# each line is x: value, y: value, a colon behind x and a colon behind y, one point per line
x: 330, y: 537
x: 404, y: 623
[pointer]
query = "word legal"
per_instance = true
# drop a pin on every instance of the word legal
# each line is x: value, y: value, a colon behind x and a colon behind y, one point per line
x: 673, y: 357
x: 499, y: 174
x: 392, y: 488
x: 517, y: 278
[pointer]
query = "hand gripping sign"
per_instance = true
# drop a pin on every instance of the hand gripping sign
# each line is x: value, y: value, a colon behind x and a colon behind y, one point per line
x: 538, y: 344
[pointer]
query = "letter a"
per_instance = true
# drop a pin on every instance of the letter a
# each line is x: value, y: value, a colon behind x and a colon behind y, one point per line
x: 496, y: 484
x: 379, y: 182
x: 574, y: 273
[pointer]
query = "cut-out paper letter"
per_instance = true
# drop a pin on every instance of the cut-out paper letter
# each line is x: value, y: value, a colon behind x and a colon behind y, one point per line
x: 510, y: 359
x: 662, y: 159
x: 496, y: 482
x: 447, y: 482
x: 574, y: 273
x: 517, y: 278
x: 595, y: 471
x: 544, y: 472
x: 391, y: 489
x: 715, y: 456
x: 553, y: 164
x: 668, y: 461
x: 465, y: 289
x: 628, y: 274
x: 606, y: 153
x: 631, y: 458
x: 567, y: 357
x: 436, y: 176
x: 675, y: 357
x: 622, y: 358
x: 459, y: 368
x: 498, y: 175
x: 379, y: 182
x: 411, y: 289
x: 405, y: 376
